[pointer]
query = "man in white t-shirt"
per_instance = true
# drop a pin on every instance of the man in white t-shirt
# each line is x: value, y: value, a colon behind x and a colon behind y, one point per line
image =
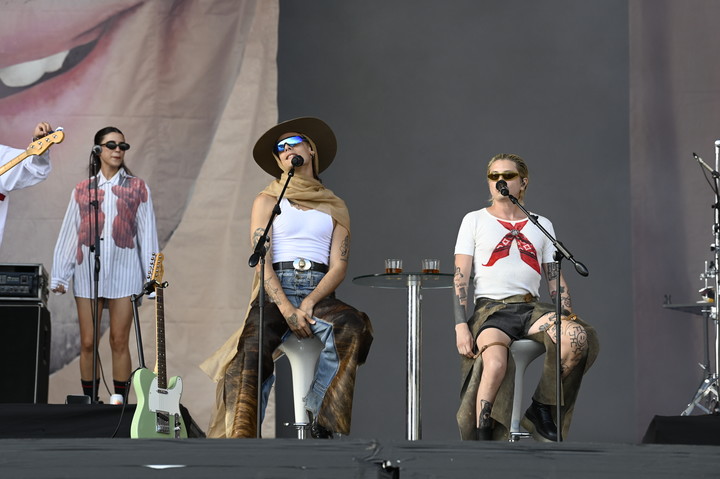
x: 508, y: 255
x: 30, y: 171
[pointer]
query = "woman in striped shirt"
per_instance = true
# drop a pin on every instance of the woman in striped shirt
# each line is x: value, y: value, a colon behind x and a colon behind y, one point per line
x: 126, y: 227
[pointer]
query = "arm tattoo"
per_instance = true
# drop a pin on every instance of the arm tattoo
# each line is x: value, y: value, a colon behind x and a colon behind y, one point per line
x: 272, y: 292
x: 565, y: 299
x: 458, y: 274
x: 256, y: 236
x: 460, y: 297
x: 292, y: 320
x: 551, y: 271
x: 460, y: 287
x: 345, y: 248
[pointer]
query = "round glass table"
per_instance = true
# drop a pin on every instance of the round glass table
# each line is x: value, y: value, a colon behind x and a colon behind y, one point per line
x: 413, y: 282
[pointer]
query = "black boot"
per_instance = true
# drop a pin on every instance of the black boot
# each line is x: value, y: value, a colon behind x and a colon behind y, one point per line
x: 484, y: 431
x: 316, y: 430
x: 540, y: 416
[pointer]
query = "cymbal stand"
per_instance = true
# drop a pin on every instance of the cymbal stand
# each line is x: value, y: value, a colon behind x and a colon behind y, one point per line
x: 706, y: 398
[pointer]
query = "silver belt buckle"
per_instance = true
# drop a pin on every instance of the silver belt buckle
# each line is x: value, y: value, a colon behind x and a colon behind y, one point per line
x: 302, y: 264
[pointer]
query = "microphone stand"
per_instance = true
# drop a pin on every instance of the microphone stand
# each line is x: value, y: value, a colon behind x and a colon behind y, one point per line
x: 259, y: 256
x: 560, y: 253
x: 95, y: 248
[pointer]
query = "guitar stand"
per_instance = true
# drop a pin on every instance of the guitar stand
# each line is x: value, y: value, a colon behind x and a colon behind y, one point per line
x: 138, y: 333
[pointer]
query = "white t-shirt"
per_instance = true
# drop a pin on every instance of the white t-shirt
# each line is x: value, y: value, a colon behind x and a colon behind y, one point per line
x: 507, y: 255
x: 301, y: 234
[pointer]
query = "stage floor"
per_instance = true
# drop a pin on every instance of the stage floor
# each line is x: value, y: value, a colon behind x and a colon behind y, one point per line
x: 313, y: 459
x: 76, y: 441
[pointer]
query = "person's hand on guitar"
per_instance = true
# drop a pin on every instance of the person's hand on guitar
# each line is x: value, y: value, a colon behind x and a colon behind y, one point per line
x: 42, y: 129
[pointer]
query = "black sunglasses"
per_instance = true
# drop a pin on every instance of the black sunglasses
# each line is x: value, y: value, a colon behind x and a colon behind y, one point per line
x: 111, y: 145
x: 506, y: 175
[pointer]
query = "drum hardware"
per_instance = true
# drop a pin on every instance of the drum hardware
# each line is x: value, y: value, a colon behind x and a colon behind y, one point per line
x: 706, y: 397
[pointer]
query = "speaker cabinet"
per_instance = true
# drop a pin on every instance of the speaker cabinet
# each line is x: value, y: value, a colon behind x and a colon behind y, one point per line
x: 24, y: 352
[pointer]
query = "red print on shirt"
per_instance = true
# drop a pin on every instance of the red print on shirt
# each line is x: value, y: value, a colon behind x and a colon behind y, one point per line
x: 527, y: 250
x: 128, y: 200
x: 83, y: 197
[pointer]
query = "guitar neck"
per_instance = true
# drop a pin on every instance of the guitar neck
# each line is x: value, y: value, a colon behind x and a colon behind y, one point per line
x: 12, y: 163
x: 160, y: 364
x: 37, y: 147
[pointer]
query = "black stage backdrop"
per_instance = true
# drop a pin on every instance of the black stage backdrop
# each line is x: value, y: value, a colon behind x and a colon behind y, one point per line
x: 421, y: 94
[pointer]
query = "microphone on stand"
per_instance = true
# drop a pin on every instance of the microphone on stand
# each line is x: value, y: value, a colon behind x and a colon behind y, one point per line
x: 97, y: 149
x: 705, y: 165
x: 502, y: 187
x: 297, y: 160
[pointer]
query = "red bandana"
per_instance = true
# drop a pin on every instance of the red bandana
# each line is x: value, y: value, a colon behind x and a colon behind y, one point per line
x: 527, y: 250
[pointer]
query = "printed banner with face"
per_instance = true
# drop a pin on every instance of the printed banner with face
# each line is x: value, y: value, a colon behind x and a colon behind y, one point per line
x: 186, y: 81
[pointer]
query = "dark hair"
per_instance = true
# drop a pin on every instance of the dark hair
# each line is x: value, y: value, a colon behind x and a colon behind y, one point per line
x: 312, y: 158
x: 94, y: 167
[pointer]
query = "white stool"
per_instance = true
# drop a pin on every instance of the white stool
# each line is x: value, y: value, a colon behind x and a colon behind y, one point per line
x: 524, y: 351
x: 303, y: 355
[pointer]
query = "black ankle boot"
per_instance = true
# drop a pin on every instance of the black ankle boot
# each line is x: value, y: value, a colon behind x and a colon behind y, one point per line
x: 316, y: 430
x: 484, y: 431
x: 540, y: 416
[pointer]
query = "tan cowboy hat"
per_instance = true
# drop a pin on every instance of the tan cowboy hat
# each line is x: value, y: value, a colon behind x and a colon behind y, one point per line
x: 322, y: 140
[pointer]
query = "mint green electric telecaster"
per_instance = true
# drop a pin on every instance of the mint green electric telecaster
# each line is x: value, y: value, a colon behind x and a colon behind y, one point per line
x: 158, y: 400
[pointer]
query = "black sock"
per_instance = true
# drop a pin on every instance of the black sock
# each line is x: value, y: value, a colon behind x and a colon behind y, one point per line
x: 87, y: 387
x: 121, y: 387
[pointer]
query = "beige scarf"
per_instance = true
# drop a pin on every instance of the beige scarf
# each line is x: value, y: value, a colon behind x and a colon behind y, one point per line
x: 310, y: 193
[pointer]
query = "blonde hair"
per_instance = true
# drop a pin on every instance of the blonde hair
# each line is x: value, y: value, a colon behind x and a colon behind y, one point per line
x: 519, y: 164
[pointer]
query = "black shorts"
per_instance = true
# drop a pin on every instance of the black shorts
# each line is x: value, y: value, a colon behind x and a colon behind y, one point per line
x: 513, y: 319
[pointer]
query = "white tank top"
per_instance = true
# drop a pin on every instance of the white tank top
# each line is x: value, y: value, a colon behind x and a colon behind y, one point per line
x: 301, y: 234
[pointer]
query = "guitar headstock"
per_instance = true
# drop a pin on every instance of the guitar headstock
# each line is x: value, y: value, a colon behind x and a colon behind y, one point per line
x: 155, y: 275
x: 38, y: 147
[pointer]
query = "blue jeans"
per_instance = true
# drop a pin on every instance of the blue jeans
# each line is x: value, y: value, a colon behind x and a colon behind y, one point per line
x: 297, y: 285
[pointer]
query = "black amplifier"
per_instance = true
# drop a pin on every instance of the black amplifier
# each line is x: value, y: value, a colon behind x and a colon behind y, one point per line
x: 23, y: 282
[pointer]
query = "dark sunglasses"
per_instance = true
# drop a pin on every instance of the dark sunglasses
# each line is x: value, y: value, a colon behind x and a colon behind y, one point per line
x: 289, y: 141
x: 111, y: 145
x: 506, y: 175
